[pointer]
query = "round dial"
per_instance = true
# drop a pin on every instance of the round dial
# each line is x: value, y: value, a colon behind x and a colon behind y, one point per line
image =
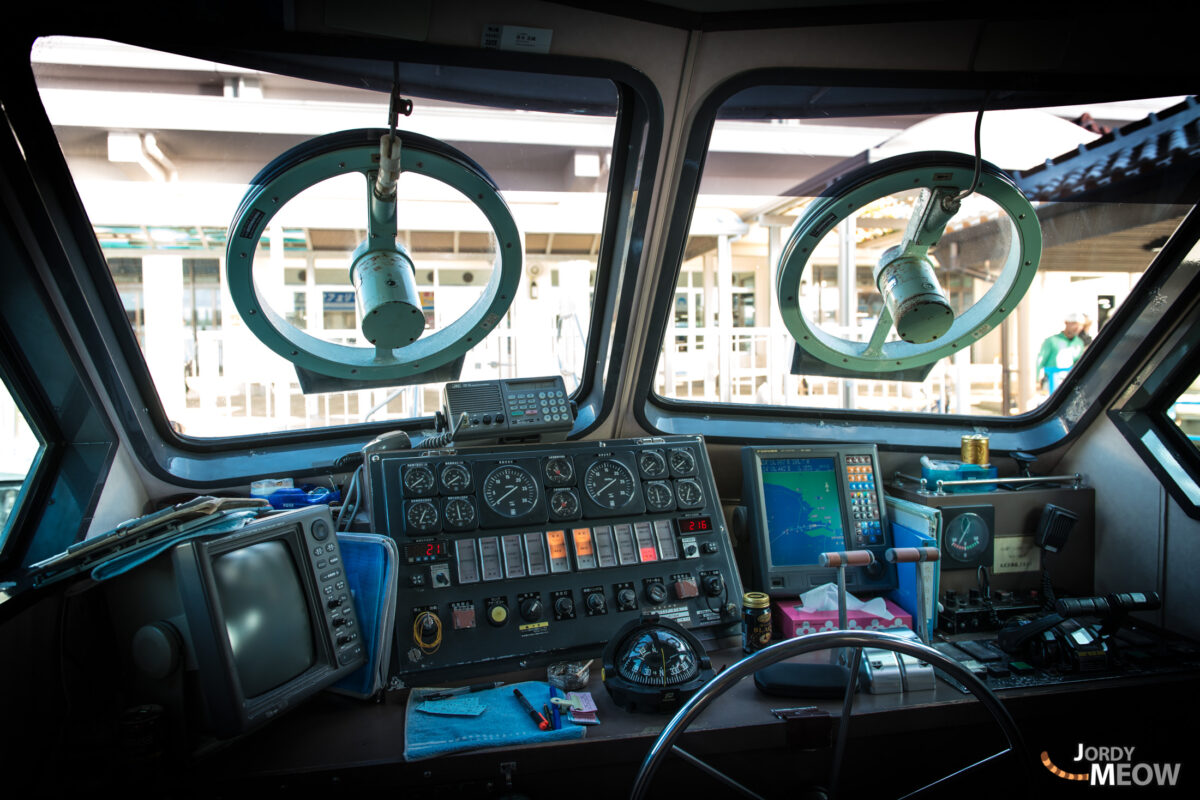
x: 421, y: 516
x: 689, y: 493
x: 456, y: 478
x: 418, y: 479
x: 510, y: 491
x: 460, y: 513
x: 656, y: 656
x: 682, y: 462
x: 967, y: 537
x: 564, y: 504
x: 659, y: 496
x: 609, y: 483
x: 559, y: 471
x: 652, y: 464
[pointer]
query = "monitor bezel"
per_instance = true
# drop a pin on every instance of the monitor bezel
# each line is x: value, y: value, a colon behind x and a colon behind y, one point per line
x: 797, y: 579
x: 229, y: 711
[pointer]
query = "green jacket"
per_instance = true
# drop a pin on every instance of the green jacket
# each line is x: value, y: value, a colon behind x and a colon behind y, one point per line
x: 1058, y: 352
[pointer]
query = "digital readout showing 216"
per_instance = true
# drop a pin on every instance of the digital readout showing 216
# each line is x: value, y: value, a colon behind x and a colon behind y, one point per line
x: 694, y: 525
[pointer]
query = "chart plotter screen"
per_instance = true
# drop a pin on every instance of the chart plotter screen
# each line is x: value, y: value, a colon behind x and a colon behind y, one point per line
x: 803, y: 509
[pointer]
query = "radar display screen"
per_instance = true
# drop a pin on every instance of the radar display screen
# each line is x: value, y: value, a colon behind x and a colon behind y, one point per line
x: 803, y: 509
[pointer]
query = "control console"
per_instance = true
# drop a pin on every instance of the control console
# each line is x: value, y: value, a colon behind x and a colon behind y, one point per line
x: 517, y: 554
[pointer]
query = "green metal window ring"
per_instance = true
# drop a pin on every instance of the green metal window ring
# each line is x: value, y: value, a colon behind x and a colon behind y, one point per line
x: 358, y: 151
x: 894, y: 175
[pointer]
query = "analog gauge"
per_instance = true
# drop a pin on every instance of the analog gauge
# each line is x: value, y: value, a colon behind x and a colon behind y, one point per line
x: 682, y: 462
x: 967, y: 537
x: 659, y: 496
x: 564, y: 504
x: 418, y: 480
x: 510, y: 491
x: 421, y: 517
x: 456, y: 478
x: 652, y: 464
x: 559, y: 471
x: 460, y: 513
x: 609, y: 483
x: 689, y: 493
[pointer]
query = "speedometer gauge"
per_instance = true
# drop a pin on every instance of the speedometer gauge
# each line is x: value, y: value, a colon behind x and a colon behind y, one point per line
x: 609, y: 484
x: 510, y: 491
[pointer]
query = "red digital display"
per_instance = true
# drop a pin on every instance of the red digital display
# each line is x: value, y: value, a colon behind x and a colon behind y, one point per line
x: 425, y: 551
x: 694, y: 525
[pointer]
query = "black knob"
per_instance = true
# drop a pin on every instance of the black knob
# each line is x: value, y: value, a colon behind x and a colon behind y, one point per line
x: 564, y: 607
x: 595, y: 602
x: 713, y: 585
x: 626, y: 599
x: 531, y: 609
x: 334, y: 602
x: 338, y: 622
x: 656, y: 593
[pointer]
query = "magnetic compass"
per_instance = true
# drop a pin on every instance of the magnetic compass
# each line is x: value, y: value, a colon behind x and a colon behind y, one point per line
x: 654, y: 664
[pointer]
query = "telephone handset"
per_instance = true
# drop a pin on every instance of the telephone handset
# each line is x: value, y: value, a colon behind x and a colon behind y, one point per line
x: 1057, y: 640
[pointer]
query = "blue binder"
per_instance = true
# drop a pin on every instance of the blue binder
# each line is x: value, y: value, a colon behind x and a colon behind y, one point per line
x: 915, y: 525
x: 370, y: 563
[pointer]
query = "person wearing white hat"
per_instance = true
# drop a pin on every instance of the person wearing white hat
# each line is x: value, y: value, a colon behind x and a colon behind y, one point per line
x: 1060, y: 351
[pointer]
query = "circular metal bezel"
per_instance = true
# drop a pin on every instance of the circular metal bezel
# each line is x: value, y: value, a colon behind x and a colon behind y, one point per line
x: 625, y: 479
x: 891, y: 176
x: 358, y: 151
x: 528, y: 491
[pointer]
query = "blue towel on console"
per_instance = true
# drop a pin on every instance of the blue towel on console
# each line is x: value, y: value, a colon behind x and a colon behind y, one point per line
x: 504, y: 723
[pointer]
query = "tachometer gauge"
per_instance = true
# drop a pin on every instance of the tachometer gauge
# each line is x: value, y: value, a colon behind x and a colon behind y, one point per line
x: 564, y: 504
x: 652, y: 464
x: 683, y: 462
x: 460, y: 513
x: 609, y: 483
x: 688, y: 493
x: 654, y: 664
x: 419, y: 480
x: 421, y: 516
x: 456, y: 478
x: 659, y: 496
x: 510, y: 491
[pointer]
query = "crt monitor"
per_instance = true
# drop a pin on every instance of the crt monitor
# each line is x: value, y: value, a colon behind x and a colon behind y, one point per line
x: 804, y: 501
x: 229, y: 631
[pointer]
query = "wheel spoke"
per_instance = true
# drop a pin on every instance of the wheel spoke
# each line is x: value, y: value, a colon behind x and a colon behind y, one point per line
x: 954, y: 775
x: 839, y: 751
x: 882, y: 327
x: 714, y: 772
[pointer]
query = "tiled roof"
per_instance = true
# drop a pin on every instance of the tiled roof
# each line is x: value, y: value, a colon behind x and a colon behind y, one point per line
x: 1141, y: 148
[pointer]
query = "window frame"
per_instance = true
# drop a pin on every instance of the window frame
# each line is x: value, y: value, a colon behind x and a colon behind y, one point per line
x: 217, y: 462
x: 1084, y: 393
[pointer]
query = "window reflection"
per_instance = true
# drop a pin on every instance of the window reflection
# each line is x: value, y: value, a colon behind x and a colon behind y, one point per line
x: 19, y: 447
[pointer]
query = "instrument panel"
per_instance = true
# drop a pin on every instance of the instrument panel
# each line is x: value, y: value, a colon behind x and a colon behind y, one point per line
x: 523, y: 552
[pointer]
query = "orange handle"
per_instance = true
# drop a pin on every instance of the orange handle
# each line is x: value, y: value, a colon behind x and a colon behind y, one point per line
x: 847, y: 558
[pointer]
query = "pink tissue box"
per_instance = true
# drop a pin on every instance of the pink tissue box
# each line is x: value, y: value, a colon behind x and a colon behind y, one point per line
x: 792, y: 622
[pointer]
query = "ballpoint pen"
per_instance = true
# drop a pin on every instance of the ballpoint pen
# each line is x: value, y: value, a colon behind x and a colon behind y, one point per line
x: 457, y: 690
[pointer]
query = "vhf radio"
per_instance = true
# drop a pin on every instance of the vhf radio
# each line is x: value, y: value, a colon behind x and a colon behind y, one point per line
x: 507, y: 411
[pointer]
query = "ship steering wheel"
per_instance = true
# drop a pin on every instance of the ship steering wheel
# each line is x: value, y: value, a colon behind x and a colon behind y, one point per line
x: 665, y: 744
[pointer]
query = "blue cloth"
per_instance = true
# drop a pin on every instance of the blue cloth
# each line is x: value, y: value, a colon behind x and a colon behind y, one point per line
x: 365, y: 558
x: 504, y: 723
x: 218, y: 523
